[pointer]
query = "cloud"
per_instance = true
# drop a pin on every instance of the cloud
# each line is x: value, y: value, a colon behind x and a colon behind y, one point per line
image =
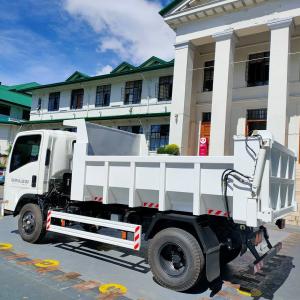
x: 132, y: 29
x: 104, y: 70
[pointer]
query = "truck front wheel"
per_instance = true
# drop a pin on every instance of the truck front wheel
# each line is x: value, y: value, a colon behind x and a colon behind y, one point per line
x: 176, y: 259
x: 31, y: 226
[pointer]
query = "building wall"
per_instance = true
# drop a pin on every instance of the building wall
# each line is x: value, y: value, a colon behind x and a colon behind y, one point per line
x: 244, y: 97
x: 16, y: 112
x: 7, y: 135
x: 149, y: 102
x: 8, y: 131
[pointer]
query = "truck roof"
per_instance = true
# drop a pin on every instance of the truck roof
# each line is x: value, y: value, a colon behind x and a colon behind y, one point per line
x: 50, y: 132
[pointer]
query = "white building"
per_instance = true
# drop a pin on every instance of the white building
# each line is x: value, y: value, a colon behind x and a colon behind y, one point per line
x: 14, y: 109
x: 135, y: 99
x: 250, y: 50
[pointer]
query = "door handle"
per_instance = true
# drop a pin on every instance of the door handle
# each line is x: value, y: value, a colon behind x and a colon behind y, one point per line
x: 33, y: 181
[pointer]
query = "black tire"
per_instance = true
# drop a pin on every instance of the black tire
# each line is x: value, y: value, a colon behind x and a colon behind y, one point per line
x: 31, y: 226
x: 176, y: 259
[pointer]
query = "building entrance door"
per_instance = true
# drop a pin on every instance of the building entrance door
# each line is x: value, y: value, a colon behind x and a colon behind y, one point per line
x: 205, y: 127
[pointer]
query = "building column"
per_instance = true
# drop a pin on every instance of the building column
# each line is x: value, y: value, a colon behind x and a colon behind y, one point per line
x: 222, y: 93
x: 182, y: 95
x: 278, y: 78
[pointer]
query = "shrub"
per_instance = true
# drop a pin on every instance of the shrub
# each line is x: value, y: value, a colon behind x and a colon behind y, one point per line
x: 172, y: 149
x: 169, y: 149
x: 161, y: 150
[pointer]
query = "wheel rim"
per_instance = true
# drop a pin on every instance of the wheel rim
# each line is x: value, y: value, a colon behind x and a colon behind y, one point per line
x: 28, y: 222
x: 172, y: 259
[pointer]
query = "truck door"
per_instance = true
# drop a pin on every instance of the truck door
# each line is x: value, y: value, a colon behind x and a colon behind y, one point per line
x: 22, y: 176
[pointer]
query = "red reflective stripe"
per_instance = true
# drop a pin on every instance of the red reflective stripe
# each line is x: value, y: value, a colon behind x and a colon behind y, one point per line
x: 217, y: 212
x: 137, y: 229
x: 48, y: 220
x: 136, y: 237
x: 136, y: 246
x: 151, y: 205
x: 98, y: 198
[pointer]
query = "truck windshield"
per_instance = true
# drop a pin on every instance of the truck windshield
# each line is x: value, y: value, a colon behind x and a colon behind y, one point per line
x: 26, y: 150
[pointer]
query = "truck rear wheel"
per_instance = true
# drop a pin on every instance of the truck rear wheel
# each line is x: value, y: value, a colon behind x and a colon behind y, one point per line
x: 31, y: 226
x: 176, y: 259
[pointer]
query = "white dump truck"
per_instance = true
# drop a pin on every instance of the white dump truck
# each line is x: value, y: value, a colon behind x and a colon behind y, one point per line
x: 193, y: 213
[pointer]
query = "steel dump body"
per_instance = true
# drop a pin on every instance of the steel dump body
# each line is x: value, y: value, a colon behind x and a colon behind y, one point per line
x: 187, y: 183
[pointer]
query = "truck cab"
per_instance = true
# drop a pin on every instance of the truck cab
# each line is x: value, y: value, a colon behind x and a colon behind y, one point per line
x: 37, y: 156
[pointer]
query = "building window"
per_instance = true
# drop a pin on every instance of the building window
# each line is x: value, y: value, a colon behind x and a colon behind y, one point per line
x: 26, y: 114
x: 133, y: 129
x: 208, y: 76
x: 103, y: 95
x: 258, y: 69
x: 77, y: 99
x: 53, y: 104
x: 133, y: 92
x: 4, y: 110
x: 159, y: 136
x: 39, y: 105
x: 256, y: 120
x: 206, y: 117
x: 165, y: 88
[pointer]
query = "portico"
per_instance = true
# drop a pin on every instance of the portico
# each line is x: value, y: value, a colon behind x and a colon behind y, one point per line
x: 227, y: 27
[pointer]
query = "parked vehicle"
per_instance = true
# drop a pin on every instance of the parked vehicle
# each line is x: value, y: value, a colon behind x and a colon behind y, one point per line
x: 2, y: 175
x: 196, y: 212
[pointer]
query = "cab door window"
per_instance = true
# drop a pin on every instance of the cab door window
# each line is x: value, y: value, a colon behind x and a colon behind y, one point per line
x: 26, y: 150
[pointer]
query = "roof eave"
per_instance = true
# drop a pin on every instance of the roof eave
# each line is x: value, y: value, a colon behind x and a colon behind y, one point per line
x: 169, y: 7
x: 107, y: 76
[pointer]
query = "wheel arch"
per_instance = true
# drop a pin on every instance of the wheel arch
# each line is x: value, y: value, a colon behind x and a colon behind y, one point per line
x: 25, y: 199
x: 185, y: 222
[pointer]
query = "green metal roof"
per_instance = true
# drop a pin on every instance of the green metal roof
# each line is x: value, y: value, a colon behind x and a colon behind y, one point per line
x: 131, y: 116
x: 119, y: 71
x: 76, y: 76
x: 123, y: 67
x: 152, y: 61
x: 23, y: 86
x: 169, y: 7
x: 11, y: 95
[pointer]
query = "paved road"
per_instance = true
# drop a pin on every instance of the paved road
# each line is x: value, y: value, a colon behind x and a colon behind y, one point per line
x: 85, y: 266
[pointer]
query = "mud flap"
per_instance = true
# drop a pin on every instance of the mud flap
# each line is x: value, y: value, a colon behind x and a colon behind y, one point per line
x: 260, y: 263
x: 211, y: 247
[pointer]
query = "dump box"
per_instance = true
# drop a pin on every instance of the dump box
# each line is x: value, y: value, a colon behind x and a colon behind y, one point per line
x: 186, y: 183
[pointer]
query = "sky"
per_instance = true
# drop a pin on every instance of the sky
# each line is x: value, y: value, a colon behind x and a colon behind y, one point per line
x: 47, y: 40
